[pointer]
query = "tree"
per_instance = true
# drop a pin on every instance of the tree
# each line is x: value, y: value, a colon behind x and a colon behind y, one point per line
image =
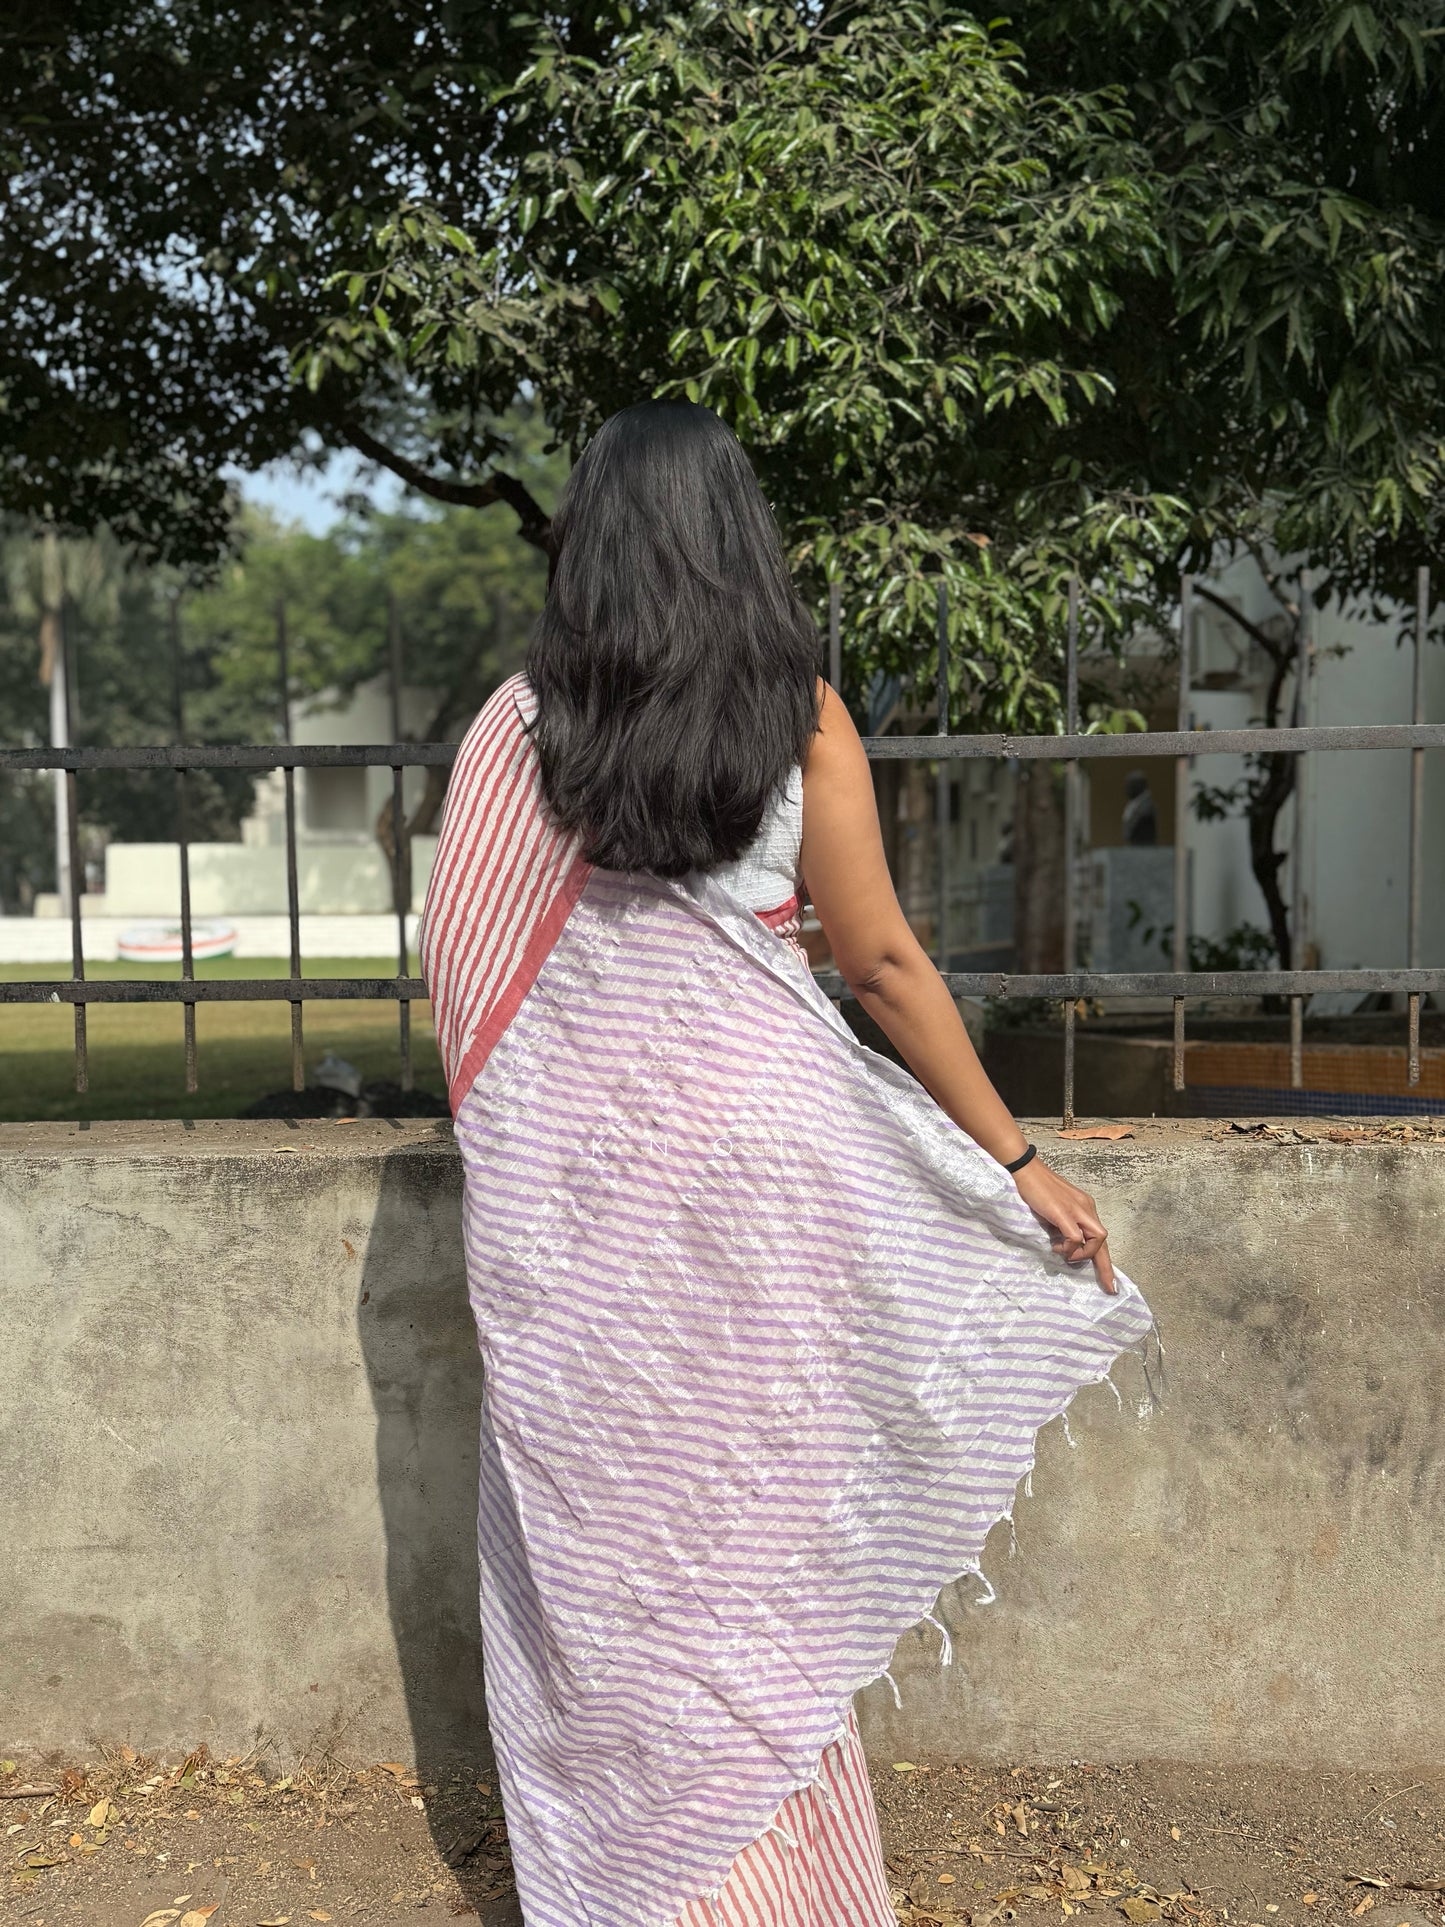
x: 463, y: 591
x: 1109, y: 292
x: 1297, y: 399
x: 460, y: 589
x: 869, y: 246
x: 182, y: 181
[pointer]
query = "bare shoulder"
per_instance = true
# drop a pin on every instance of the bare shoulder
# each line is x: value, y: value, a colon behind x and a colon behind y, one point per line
x: 836, y: 752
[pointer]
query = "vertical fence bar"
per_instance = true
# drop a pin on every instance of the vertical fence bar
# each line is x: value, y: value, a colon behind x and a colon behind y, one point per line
x: 64, y: 668
x: 1417, y: 817
x: 1071, y: 838
x: 943, y: 786
x: 1181, y: 820
x: 835, y: 636
x: 293, y: 891
x: 400, y: 849
x: 183, y: 832
x: 77, y: 950
x: 1297, y: 866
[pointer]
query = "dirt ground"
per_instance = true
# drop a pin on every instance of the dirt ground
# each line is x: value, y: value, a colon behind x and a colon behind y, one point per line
x: 125, y: 1841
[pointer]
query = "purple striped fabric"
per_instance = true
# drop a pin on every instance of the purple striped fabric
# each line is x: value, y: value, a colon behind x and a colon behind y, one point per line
x: 767, y: 1342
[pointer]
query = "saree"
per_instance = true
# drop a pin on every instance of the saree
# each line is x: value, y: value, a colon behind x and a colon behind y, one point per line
x: 766, y: 1340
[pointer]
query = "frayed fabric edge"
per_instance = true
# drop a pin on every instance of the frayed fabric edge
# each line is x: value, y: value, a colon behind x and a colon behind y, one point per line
x: 1156, y: 1389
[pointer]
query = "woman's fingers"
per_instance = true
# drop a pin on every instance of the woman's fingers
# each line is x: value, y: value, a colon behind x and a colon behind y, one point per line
x: 1075, y: 1230
x: 1104, y: 1266
x: 1085, y: 1238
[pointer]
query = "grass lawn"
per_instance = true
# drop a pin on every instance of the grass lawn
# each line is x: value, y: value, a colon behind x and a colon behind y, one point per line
x: 243, y: 1051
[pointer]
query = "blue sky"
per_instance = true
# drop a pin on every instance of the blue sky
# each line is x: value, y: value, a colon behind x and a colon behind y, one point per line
x: 310, y: 496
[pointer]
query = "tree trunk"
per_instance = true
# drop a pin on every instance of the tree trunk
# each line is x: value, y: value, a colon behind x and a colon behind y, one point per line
x: 1038, y: 869
x: 1277, y: 774
x: 421, y: 819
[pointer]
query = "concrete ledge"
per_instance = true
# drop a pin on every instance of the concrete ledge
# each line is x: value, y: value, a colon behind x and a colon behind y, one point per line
x: 238, y: 1461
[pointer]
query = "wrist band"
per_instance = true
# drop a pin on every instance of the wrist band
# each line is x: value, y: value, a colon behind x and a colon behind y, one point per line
x: 1019, y: 1163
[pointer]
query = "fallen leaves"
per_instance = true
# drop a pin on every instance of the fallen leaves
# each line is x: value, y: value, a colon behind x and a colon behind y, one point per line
x: 198, y: 1916
x: 1111, y: 1132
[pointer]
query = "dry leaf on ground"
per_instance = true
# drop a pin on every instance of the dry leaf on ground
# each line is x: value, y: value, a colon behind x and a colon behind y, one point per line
x: 1110, y: 1131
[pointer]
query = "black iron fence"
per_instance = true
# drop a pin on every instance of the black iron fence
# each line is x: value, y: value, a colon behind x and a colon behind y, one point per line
x: 1067, y: 987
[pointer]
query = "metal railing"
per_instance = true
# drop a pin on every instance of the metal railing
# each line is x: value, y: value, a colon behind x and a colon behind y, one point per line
x: 1072, y: 985
x: 1066, y: 987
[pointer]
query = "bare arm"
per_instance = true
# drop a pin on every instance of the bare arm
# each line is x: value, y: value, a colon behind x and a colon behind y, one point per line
x: 886, y: 968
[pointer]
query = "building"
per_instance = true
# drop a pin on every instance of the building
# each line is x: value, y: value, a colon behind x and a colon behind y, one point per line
x: 341, y: 867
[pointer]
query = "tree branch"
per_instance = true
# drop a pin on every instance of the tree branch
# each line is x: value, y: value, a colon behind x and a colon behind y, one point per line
x: 1270, y: 646
x: 533, y: 524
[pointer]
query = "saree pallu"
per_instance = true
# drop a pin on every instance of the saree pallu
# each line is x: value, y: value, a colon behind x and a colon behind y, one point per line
x: 767, y: 1340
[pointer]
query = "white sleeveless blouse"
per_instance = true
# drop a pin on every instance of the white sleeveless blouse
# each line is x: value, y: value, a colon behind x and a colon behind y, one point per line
x: 768, y: 875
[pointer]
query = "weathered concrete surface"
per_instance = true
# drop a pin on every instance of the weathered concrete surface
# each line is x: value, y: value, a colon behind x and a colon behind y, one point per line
x: 237, y: 1466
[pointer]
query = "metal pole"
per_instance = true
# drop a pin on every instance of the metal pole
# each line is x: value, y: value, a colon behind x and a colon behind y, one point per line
x: 71, y: 807
x: 188, y: 971
x: 1417, y: 816
x: 293, y: 890
x: 1181, y: 820
x: 52, y: 598
x: 400, y: 864
x: 1071, y: 837
x: 1297, y: 867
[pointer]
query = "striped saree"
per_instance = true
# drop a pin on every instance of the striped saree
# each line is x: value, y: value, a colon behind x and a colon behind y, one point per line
x: 767, y: 1341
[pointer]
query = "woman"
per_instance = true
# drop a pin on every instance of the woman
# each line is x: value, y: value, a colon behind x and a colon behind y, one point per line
x: 768, y: 1328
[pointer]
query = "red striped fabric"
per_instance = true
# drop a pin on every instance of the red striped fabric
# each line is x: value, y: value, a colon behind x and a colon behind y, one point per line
x: 502, y: 886
x: 820, y: 1863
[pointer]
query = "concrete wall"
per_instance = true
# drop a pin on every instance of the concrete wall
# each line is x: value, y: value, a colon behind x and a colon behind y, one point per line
x: 237, y: 1468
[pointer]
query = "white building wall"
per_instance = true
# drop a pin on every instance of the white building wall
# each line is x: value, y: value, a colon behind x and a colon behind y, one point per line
x: 341, y: 870
x: 239, y: 880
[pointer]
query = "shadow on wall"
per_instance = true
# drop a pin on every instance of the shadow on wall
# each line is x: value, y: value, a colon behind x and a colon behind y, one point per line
x: 419, y: 1343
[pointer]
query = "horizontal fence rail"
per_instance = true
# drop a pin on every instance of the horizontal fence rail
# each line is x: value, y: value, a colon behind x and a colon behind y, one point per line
x: 943, y: 748
x: 1054, y: 749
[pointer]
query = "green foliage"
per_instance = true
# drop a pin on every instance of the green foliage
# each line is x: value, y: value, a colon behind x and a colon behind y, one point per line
x: 873, y: 250
x: 183, y: 180
x: 464, y: 591
x: 1295, y: 391
x: 1245, y: 947
x: 1133, y: 281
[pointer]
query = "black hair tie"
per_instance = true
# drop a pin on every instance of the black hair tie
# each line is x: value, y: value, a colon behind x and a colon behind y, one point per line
x: 1019, y: 1163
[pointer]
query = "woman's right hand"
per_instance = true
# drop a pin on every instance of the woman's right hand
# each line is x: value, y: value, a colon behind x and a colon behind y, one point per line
x: 1071, y: 1217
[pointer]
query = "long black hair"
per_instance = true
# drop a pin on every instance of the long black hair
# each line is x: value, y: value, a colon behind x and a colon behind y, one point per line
x: 674, y: 665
